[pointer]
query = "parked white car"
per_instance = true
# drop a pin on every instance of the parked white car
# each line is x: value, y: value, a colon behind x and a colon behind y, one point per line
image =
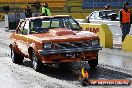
x: 103, y: 16
x: 108, y: 17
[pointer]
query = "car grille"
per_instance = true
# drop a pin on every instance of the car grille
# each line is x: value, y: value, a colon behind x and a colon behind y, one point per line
x: 70, y: 45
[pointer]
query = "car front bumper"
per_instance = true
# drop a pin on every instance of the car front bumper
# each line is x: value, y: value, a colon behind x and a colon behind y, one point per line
x: 72, y: 50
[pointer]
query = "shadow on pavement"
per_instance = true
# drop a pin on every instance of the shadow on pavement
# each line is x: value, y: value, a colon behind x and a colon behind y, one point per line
x: 65, y: 71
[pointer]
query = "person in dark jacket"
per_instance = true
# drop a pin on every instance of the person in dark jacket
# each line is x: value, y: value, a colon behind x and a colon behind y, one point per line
x: 28, y: 12
x: 125, y: 20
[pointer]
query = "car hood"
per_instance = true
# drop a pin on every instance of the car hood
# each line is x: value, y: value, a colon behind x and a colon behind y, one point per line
x: 64, y: 35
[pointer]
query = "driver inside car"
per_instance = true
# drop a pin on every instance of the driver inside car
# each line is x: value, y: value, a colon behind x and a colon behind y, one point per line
x: 36, y: 26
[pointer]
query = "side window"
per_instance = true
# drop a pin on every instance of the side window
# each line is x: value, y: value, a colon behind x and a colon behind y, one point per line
x: 100, y: 14
x: 39, y: 25
x: 34, y: 25
x: 55, y: 23
x: 26, y: 28
x: 74, y: 24
x: 46, y: 23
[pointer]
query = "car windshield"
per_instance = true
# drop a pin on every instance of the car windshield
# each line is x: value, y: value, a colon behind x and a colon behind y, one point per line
x: 106, y: 14
x: 42, y: 25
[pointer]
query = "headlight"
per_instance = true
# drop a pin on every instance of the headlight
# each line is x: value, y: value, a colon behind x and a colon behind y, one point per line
x: 95, y: 42
x: 47, y: 46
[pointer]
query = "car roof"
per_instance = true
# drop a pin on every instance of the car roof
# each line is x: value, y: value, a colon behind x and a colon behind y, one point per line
x: 103, y: 10
x: 42, y: 17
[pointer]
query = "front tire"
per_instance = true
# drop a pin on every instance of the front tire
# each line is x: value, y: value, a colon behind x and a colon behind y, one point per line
x: 16, y: 58
x: 36, y: 63
x: 93, y: 63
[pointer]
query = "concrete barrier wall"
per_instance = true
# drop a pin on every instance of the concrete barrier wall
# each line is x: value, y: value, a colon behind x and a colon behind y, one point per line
x: 102, y: 30
x: 127, y: 43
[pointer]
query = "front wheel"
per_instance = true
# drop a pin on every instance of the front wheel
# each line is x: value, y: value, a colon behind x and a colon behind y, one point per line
x: 37, y: 64
x: 16, y: 58
x: 93, y: 63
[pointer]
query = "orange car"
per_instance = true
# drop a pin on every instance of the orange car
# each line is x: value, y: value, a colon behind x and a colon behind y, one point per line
x: 53, y: 39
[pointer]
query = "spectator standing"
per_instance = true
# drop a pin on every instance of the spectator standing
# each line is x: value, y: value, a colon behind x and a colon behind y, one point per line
x: 125, y: 20
x: 28, y: 12
x: 46, y: 10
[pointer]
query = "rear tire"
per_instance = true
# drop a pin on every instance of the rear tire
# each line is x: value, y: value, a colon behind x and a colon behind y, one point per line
x: 16, y: 58
x: 93, y: 63
x: 36, y: 63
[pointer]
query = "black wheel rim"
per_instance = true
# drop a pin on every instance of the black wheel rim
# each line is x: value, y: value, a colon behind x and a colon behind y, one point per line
x: 12, y: 55
x: 34, y: 61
